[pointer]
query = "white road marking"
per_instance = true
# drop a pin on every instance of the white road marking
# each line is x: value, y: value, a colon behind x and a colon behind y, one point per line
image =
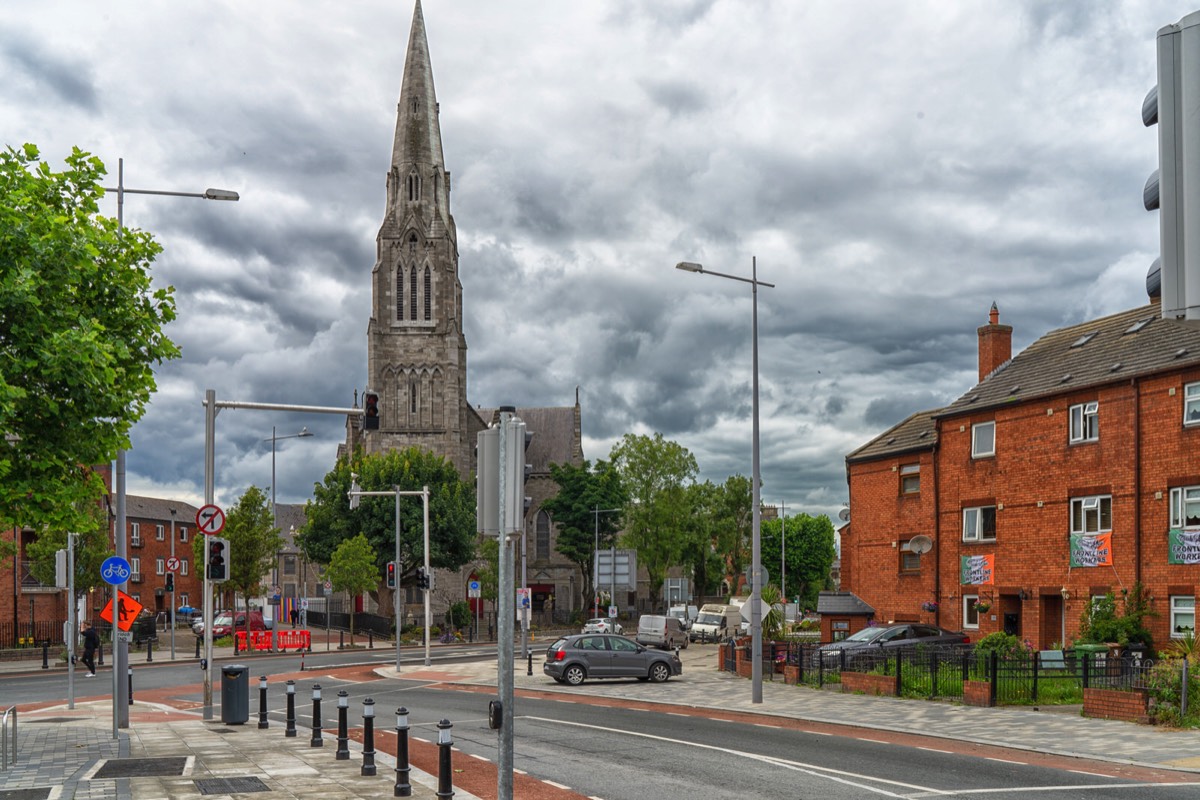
x: 875, y: 741
x: 1010, y: 761
x: 557, y: 785
x: 481, y: 758
x: 935, y: 750
x: 1093, y: 774
x: 1087, y: 788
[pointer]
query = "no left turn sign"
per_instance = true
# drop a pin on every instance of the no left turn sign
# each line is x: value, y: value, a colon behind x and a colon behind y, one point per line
x: 210, y: 519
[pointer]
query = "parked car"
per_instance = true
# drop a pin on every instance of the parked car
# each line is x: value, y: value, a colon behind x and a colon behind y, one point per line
x: 225, y: 622
x: 889, y: 638
x: 574, y: 659
x: 601, y: 625
x: 144, y: 627
x: 659, y: 631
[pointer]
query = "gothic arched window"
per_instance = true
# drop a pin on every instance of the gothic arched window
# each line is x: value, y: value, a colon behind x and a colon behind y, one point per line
x: 543, y: 536
x: 428, y: 295
x: 399, y: 293
x: 412, y: 243
x: 414, y: 190
x: 412, y: 294
x: 412, y: 396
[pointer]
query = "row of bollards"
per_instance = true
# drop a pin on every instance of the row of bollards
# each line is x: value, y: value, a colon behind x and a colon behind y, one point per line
x: 402, y: 788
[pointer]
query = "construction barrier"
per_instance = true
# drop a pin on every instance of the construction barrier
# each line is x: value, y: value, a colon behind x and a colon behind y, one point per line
x: 293, y: 640
x: 259, y: 640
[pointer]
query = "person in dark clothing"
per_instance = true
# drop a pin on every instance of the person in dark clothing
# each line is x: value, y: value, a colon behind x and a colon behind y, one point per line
x: 91, y: 640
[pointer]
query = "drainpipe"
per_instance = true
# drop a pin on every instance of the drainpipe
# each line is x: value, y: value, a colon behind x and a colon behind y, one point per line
x: 1137, y: 480
x: 937, y: 526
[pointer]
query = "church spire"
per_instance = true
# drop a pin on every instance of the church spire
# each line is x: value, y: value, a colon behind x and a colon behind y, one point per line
x: 418, y: 168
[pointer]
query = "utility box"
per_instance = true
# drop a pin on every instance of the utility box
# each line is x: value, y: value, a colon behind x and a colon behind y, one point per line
x: 235, y: 694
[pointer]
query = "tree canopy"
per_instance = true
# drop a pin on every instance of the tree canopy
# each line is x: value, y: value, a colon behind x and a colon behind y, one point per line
x: 451, y: 511
x: 582, y: 490
x: 352, y: 569
x: 254, y: 542
x: 809, y: 551
x: 80, y: 333
x: 92, y: 545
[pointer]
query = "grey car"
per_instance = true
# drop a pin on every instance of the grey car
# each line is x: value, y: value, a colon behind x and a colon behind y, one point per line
x: 869, y: 642
x: 574, y: 659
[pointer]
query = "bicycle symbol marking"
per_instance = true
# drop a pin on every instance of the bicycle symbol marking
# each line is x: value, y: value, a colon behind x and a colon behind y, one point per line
x: 115, y: 570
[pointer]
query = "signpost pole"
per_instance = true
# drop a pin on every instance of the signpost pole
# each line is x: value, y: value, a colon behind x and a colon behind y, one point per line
x: 116, y: 673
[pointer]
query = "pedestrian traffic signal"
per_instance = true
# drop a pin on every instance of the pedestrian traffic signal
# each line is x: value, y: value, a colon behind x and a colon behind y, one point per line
x: 423, y: 581
x: 370, y: 411
x: 217, y: 568
x: 391, y: 574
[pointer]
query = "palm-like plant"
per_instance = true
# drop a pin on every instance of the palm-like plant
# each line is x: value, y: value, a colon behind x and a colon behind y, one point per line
x: 772, y: 621
x: 1184, y: 647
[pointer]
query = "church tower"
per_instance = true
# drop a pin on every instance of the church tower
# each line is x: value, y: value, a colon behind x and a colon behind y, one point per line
x: 416, y: 349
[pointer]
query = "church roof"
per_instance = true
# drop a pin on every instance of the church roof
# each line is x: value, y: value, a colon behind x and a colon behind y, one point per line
x: 553, y: 432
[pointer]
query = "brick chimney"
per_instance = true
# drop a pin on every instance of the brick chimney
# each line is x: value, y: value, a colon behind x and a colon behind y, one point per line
x: 995, y: 343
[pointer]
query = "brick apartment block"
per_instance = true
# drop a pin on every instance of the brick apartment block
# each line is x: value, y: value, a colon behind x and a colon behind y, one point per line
x: 1094, y: 430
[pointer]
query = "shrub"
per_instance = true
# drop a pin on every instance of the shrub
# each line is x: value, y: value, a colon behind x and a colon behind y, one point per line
x: 1165, y: 684
x: 1101, y: 622
x: 460, y: 614
x: 1005, y: 645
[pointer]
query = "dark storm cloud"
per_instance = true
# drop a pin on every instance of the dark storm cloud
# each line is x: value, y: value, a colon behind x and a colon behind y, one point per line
x: 40, y: 70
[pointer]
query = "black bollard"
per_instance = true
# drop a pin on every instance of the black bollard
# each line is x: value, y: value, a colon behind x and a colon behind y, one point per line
x: 529, y: 666
x: 445, y: 779
x: 197, y: 647
x: 368, y: 765
x: 343, y: 737
x: 45, y: 654
x: 403, y: 787
x: 149, y: 651
x: 290, y: 729
x: 316, y: 740
x: 130, y: 671
x: 370, y: 640
x: 341, y: 640
x: 100, y: 651
x: 262, y: 703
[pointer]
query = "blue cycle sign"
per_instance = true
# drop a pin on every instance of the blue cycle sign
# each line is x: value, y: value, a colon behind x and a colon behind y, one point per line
x: 115, y: 570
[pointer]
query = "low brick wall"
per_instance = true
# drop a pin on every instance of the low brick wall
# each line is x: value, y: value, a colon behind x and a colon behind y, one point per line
x: 977, y: 693
x: 869, y: 684
x: 1130, y: 706
x: 745, y: 664
x: 791, y: 674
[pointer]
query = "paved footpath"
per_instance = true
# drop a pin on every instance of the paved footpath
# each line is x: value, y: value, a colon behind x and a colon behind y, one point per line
x: 70, y: 753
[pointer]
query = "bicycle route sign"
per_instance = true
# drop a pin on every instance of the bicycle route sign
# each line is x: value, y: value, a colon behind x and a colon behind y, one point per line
x: 210, y: 519
x: 115, y: 570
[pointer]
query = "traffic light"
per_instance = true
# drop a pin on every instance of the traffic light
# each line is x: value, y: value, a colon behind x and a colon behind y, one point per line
x: 487, y: 481
x: 170, y: 587
x: 370, y: 411
x: 391, y: 574
x: 217, y: 568
x: 516, y: 470
x: 424, y: 580
x: 1174, y: 188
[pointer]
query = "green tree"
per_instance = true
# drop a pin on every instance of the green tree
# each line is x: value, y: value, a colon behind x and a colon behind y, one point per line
x: 92, y: 546
x: 809, y: 552
x: 581, y: 490
x: 700, y: 551
x: 655, y: 473
x: 254, y: 542
x: 734, y: 524
x: 452, y: 535
x: 80, y: 333
x: 354, y: 569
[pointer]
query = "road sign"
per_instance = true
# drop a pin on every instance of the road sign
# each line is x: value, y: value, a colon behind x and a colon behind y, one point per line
x: 473, y: 589
x: 124, y: 636
x: 115, y: 570
x: 612, y: 611
x: 130, y: 608
x: 172, y: 564
x: 210, y: 519
x: 328, y: 587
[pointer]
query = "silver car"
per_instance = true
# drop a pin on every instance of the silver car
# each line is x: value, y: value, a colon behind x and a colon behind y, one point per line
x: 574, y: 659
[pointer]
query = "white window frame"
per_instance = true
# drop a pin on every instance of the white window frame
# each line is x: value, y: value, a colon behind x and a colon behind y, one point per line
x: 160, y: 533
x: 183, y: 599
x: 970, y: 615
x: 1088, y: 506
x: 1181, y: 498
x: 1182, y: 606
x: 973, y: 528
x: 1085, y: 422
x: 908, y: 472
x: 183, y: 566
x: 183, y: 533
x: 1191, y: 404
x: 135, y: 533
x: 976, y: 450
x: 135, y: 566
x: 160, y: 566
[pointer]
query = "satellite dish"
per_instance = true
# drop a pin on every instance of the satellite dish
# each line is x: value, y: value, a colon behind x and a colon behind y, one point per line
x: 844, y: 515
x: 920, y: 544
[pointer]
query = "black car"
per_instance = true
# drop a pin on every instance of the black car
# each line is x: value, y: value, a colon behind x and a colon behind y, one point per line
x: 574, y: 659
x: 889, y: 638
x: 144, y: 627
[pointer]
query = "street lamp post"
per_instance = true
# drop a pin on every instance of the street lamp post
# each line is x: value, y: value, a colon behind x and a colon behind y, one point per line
x: 172, y: 585
x: 783, y: 554
x: 596, y: 557
x: 756, y: 525
x: 121, y: 649
x: 303, y: 434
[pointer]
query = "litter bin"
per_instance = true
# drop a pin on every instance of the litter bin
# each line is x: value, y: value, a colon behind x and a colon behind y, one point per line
x: 1095, y: 655
x: 235, y: 694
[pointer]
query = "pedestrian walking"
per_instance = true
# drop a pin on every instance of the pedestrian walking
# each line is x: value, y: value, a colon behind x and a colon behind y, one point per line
x: 91, y: 640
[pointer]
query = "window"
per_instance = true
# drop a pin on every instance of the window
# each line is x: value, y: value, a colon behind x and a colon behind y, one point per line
x: 543, y: 535
x: 428, y: 295
x: 979, y: 524
x: 399, y: 293
x: 183, y: 599
x: 1185, y: 507
x: 412, y: 293
x: 135, y: 533
x: 160, y: 566
x: 910, y: 478
x: 1191, y: 404
x: 1091, y: 514
x: 1085, y: 426
x: 135, y: 566
x: 970, y: 614
x: 909, y: 561
x: 160, y: 533
x: 983, y: 439
x: 1183, y: 615
x: 289, y: 565
x: 183, y: 534
x: 183, y: 566
x: 414, y: 186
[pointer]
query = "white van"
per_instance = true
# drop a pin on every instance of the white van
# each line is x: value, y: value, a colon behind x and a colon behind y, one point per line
x: 684, y: 614
x: 714, y: 622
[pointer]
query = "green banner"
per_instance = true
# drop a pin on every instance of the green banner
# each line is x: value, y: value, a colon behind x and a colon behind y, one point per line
x: 1091, y: 549
x: 1183, y: 547
x: 977, y: 570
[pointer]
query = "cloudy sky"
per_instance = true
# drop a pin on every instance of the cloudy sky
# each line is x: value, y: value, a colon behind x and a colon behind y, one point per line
x: 894, y: 166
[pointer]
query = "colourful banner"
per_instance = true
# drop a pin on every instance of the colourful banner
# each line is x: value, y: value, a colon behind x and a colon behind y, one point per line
x: 1091, y: 549
x: 1183, y: 547
x: 978, y: 570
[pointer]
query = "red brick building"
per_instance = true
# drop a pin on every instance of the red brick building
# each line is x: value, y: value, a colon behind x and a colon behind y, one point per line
x: 1068, y: 471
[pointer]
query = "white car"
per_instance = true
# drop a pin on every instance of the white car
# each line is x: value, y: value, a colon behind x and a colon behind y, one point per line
x: 601, y: 625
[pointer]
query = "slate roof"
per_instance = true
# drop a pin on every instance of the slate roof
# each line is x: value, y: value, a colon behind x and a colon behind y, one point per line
x: 915, y: 433
x: 553, y: 434
x: 287, y: 516
x: 842, y: 603
x: 156, y: 508
x: 1137, y: 342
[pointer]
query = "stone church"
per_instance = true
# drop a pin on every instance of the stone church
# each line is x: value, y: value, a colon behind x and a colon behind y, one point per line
x: 417, y: 350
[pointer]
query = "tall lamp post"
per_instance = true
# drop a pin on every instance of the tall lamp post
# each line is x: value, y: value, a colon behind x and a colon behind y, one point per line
x: 756, y: 554
x: 596, y: 556
x: 303, y: 434
x: 121, y: 648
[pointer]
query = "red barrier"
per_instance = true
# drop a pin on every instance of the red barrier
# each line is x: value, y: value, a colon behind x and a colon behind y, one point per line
x: 294, y: 640
x: 259, y: 640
